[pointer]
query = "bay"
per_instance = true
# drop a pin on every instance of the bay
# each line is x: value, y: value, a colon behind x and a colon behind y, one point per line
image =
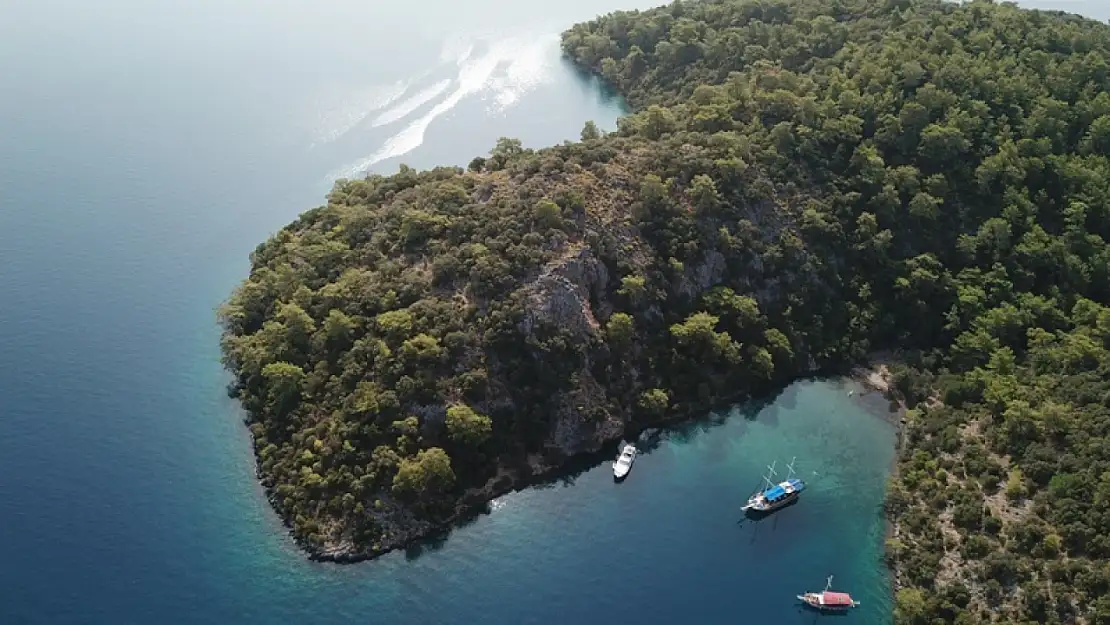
x: 145, y: 149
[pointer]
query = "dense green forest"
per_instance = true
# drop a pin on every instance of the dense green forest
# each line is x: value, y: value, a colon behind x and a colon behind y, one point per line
x: 803, y: 182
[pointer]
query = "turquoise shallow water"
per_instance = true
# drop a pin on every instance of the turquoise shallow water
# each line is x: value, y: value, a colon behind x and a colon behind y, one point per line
x: 145, y: 149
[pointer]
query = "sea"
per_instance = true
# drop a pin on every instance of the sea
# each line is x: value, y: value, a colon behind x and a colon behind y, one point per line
x: 146, y: 148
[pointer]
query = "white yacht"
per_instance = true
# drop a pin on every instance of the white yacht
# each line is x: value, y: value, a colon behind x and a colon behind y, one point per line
x: 623, y: 464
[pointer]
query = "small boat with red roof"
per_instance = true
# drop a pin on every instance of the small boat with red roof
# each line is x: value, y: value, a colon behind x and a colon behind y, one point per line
x: 829, y: 601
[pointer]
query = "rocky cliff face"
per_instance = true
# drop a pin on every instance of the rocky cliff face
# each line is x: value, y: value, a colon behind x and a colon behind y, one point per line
x: 561, y: 296
x: 585, y: 418
x: 703, y: 276
x: 574, y: 294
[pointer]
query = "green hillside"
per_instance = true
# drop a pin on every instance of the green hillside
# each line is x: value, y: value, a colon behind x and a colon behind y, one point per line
x: 803, y: 182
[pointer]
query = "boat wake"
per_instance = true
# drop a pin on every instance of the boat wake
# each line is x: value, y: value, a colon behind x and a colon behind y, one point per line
x: 504, y: 70
x: 341, y: 117
x: 410, y: 104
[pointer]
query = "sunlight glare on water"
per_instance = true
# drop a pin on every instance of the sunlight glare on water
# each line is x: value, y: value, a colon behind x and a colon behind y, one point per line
x: 145, y: 150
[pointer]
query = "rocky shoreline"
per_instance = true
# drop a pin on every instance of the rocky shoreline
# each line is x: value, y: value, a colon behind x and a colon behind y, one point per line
x: 875, y: 376
x: 416, y: 530
x: 878, y: 378
x: 505, y: 482
x: 469, y: 505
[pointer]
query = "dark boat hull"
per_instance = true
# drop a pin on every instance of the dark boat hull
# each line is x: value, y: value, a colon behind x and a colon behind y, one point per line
x: 841, y: 603
x: 785, y: 502
x: 827, y: 608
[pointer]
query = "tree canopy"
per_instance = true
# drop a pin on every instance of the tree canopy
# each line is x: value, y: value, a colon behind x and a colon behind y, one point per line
x: 802, y: 182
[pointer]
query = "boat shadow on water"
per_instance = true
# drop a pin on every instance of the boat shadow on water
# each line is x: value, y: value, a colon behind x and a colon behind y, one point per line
x: 762, y: 522
x: 817, y: 615
x: 756, y: 516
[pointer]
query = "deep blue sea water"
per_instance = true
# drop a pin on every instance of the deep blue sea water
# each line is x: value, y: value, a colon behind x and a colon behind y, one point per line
x: 145, y: 149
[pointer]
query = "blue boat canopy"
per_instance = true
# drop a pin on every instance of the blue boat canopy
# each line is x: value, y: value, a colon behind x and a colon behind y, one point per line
x: 783, y: 489
x: 774, y: 492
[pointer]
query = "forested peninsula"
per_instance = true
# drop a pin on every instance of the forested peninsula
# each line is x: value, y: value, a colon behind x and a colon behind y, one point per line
x: 801, y: 184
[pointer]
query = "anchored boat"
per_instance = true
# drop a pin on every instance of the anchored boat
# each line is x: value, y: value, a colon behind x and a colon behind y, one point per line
x: 623, y: 463
x: 774, y: 496
x: 829, y: 601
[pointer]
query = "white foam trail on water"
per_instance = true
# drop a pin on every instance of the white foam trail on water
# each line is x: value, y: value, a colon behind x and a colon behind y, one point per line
x: 410, y: 104
x: 473, y: 77
x: 337, y: 122
x: 510, y: 69
x: 464, y: 55
x: 530, y: 67
x: 456, y: 50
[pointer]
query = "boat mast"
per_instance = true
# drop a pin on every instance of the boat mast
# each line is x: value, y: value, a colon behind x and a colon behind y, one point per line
x: 770, y: 472
x: 828, y: 584
x: 791, y: 467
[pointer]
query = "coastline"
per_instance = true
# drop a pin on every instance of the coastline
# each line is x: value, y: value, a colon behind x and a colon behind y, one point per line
x: 473, y: 503
x: 874, y: 377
